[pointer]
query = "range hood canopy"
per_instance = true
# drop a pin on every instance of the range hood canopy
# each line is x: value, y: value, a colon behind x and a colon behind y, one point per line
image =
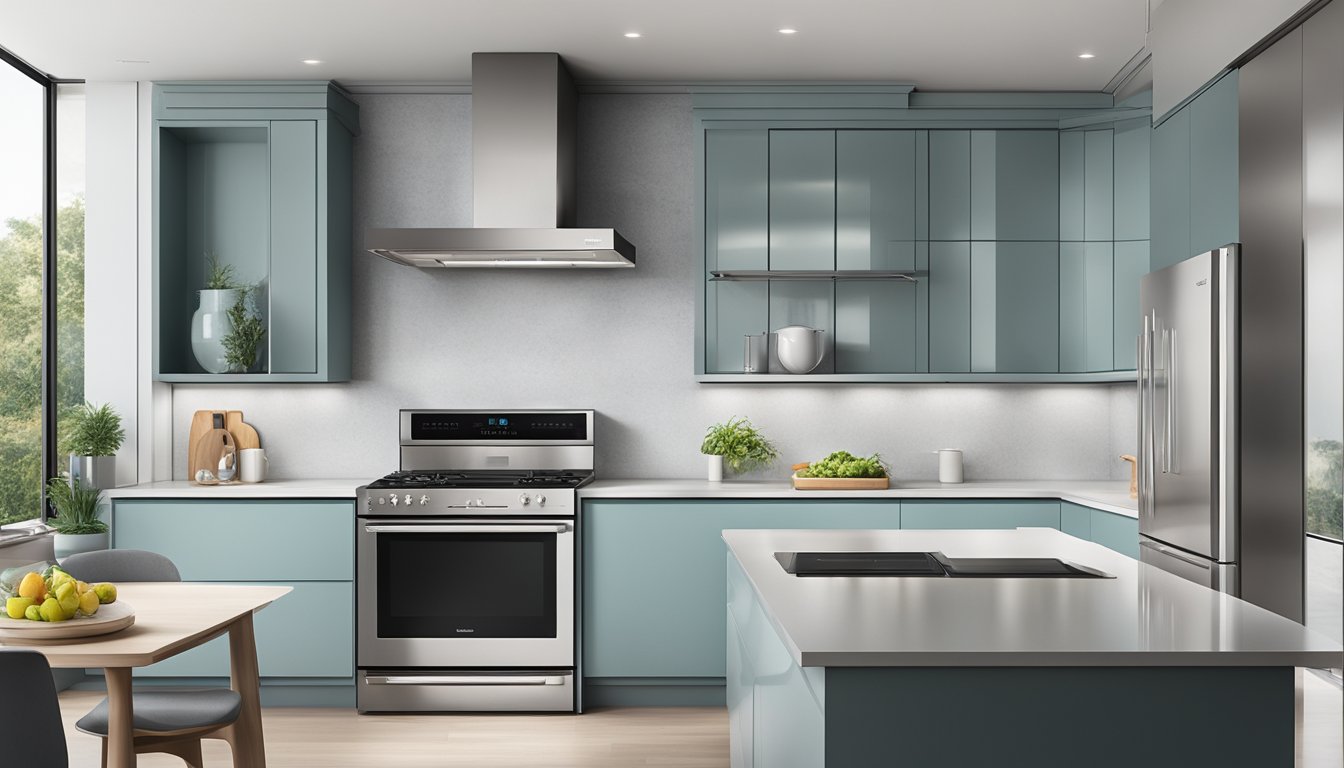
x: 523, y: 117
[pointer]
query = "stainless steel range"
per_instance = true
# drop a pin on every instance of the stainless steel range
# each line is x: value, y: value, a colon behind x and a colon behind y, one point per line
x: 465, y: 564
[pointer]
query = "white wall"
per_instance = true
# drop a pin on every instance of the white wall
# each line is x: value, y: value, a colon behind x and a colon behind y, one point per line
x: 620, y: 342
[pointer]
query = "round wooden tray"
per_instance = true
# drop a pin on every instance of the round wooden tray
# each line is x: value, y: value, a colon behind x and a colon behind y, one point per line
x: 110, y: 618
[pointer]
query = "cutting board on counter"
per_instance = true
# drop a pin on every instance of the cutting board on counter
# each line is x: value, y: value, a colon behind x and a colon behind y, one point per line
x: 837, y: 483
x: 202, y: 424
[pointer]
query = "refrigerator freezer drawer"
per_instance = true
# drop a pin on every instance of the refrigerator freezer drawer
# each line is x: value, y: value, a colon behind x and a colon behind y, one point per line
x: 1218, y: 576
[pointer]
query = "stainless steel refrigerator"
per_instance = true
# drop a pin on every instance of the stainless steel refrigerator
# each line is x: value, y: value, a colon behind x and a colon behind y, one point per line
x: 1187, y: 377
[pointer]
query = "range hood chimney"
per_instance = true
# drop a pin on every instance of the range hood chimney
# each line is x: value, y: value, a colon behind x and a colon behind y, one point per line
x: 523, y: 117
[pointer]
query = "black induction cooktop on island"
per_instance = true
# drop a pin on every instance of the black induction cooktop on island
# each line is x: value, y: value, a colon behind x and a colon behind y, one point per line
x: 934, y: 564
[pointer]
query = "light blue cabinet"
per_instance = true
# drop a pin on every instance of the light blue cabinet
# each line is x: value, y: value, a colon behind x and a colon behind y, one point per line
x: 653, y: 577
x: 949, y: 185
x: 1075, y: 520
x: 1099, y: 181
x: 737, y: 199
x: 950, y: 307
x: 1131, y: 264
x: 307, y: 545
x: 1072, y: 185
x: 1015, y: 307
x: 876, y: 198
x: 1117, y: 532
x: 980, y: 514
x: 802, y: 200
x: 1131, y: 178
x: 1014, y: 185
x: 260, y: 176
x: 1170, y: 190
x: 1086, y: 314
x: 1214, y: 191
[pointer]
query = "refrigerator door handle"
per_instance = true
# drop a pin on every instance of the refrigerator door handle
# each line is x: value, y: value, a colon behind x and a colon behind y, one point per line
x: 1170, y: 423
x: 1142, y: 485
x: 1148, y: 451
x: 1177, y: 554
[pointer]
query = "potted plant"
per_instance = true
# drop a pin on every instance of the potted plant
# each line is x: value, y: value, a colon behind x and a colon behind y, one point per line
x: 738, y: 445
x: 210, y: 323
x: 94, y: 437
x: 245, y: 332
x: 78, y: 528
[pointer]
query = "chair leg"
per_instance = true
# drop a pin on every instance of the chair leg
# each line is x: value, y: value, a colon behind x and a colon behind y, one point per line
x: 104, y: 743
x: 187, y: 749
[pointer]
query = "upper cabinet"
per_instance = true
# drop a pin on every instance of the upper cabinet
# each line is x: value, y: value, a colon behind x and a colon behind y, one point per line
x: 926, y: 246
x: 256, y: 176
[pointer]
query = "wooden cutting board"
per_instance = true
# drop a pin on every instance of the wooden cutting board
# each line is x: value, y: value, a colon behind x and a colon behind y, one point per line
x: 211, y: 448
x: 244, y: 436
x: 201, y: 423
x: 837, y: 483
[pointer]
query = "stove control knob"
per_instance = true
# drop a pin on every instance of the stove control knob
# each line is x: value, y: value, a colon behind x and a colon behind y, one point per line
x: 480, y: 502
x: 382, y: 500
x: 471, y: 503
x: 524, y: 499
x: 541, y: 500
x: 395, y: 499
x: 424, y: 500
x: 408, y: 500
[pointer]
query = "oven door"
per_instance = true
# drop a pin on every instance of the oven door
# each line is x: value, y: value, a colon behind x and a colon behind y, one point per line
x: 465, y: 593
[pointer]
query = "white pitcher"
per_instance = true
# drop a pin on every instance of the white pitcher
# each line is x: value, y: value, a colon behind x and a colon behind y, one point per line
x: 799, y: 348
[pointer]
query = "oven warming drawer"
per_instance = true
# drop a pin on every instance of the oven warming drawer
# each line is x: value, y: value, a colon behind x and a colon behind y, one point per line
x: 449, y: 690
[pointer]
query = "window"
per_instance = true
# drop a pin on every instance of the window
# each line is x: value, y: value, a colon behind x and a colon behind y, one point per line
x: 41, y: 222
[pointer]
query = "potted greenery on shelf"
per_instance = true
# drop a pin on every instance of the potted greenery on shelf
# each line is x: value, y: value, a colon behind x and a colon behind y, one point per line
x: 737, y: 445
x: 210, y: 324
x: 78, y: 528
x: 245, y: 332
x: 94, y: 435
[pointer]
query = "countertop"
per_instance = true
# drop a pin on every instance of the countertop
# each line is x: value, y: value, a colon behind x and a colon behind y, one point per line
x: 338, y: 488
x: 1143, y: 617
x: 1108, y: 495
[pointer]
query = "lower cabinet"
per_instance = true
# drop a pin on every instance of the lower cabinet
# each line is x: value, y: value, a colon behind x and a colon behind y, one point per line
x: 983, y: 514
x: 1117, y: 532
x: 304, y: 544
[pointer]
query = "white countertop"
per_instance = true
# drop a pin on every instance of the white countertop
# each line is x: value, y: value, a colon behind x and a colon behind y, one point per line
x: 338, y: 488
x: 1143, y: 617
x: 1108, y: 495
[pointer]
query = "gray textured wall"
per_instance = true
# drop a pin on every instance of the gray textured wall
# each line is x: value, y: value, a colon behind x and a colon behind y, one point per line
x: 616, y: 341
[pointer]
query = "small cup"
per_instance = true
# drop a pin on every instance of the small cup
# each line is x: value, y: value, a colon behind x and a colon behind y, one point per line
x: 252, y: 465
x: 949, y: 465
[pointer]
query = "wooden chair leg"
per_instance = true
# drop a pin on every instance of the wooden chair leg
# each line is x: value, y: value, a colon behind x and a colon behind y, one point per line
x: 104, y: 743
x: 187, y: 749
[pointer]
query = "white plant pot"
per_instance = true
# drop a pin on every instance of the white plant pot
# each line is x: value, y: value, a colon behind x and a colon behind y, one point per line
x: 209, y: 325
x: 715, y: 469
x: 68, y: 544
x: 94, y: 471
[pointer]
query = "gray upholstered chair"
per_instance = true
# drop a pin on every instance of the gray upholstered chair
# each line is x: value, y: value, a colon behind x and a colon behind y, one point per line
x: 34, y: 737
x: 172, y: 721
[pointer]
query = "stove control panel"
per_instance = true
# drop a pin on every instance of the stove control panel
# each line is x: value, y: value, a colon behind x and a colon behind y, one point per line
x: 466, y: 501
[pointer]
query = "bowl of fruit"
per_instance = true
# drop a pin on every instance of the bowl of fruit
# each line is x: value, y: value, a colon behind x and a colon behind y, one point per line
x: 50, y: 604
x: 842, y: 471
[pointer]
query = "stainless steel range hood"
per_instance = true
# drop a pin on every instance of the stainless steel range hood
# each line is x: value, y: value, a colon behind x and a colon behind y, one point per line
x: 523, y: 119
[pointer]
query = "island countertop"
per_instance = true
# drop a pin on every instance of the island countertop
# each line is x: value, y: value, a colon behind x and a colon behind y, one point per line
x: 1144, y: 617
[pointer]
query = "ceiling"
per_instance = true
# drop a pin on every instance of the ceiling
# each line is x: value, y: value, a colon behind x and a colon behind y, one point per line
x: 934, y: 44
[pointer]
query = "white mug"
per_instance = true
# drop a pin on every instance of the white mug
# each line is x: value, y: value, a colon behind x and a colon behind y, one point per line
x: 252, y: 465
x: 949, y: 465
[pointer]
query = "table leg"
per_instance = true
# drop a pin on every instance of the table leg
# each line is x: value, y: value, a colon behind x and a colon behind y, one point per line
x: 249, y: 748
x: 120, y: 737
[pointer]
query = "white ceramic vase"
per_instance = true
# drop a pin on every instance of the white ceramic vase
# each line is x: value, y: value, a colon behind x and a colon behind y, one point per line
x: 715, y: 469
x: 209, y: 325
x: 68, y: 544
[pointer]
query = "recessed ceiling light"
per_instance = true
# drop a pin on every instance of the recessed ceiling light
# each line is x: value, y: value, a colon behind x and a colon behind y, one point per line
x: 788, y: 31
x: 1087, y: 55
x: 633, y: 35
x: 312, y: 62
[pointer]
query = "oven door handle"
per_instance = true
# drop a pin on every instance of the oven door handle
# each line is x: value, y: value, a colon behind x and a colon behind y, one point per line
x: 466, y: 680
x: 556, y: 528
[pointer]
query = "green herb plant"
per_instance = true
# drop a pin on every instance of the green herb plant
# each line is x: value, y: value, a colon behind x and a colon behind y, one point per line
x: 76, y: 508
x: 240, y: 344
x: 93, y: 431
x: 219, y: 276
x: 846, y: 464
x: 741, y: 445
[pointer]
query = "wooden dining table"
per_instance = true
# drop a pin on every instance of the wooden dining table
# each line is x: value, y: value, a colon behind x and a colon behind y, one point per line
x: 172, y: 617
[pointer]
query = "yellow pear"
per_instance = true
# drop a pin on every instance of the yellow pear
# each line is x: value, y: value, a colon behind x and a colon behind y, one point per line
x: 34, y: 613
x: 107, y: 592
x: 88, y: 603
x: 17, y: 606
x: 68, y: 598
x: 51, y: 610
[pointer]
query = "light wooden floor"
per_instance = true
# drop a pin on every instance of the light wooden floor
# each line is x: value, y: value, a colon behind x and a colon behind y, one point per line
x: 612, y: 738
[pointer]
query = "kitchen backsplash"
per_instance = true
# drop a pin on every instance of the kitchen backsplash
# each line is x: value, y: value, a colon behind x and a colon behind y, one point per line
x: 620, y: 342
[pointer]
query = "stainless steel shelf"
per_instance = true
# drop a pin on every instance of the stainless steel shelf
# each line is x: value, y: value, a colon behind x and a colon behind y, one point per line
x: 813, y: 274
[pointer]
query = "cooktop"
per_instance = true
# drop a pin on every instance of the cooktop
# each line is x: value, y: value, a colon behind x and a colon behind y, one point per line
x: 485, y: 478
x: 934, y: 564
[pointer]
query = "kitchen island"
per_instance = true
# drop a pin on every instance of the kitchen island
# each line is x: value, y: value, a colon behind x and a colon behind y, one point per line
x: 1140, y: 669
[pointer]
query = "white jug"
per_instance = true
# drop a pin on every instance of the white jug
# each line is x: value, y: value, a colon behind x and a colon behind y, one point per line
x: 799, y: 348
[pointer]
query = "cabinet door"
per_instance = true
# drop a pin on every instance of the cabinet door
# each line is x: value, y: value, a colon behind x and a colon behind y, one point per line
x: 949, y: 307
x: 802, y: 199
x: 1214, y: 166
x: 1131, y: 264
x: 989, y: 514
x: 654, y: 582
x: 876, y: 323
x: 949, y: 185
x: 309, y: 632
x: 1131, y: 179
x: 1099, y: 186
x: 737, y: 164
x: 1116, y: 532
x: 1086, y: 335
x: 1170, y: 201
x: 875, y: 193
x: 1072, y: 185
x: 1014, y: 185
x: 1075, y: 520
x: 294, y: 246
x: 242, y: 540
x: 1015, y: 307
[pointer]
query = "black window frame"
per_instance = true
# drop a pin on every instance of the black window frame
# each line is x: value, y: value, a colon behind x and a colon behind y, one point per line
x: 50, y: 462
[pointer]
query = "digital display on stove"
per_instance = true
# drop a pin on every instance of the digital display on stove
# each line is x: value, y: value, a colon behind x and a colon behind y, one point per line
x: 499, y: 426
